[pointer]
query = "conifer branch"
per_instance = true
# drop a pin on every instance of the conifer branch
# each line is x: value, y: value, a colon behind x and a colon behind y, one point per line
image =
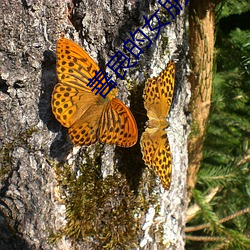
x: 194, y: 209
x: 245, y: 159
x: 205, y: 238
x: 230, y: 217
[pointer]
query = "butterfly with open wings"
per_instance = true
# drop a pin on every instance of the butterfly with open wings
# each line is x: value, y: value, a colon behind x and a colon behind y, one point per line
x: 88, y: 117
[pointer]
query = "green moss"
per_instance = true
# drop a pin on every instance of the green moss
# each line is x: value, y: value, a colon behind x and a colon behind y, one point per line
x: 195, y: 129
x: 164, y: 44
x: 105, y: 212
x: 5, y: 160
x: 28, y: 133
x: 19, y: 140
x: 131, y: 84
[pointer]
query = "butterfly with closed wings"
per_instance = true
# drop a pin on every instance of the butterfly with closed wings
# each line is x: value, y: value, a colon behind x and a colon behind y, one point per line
x: 158, y: 93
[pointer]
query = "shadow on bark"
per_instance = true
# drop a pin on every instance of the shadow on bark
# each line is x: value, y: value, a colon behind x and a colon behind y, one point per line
x: 61, y: 145
x: 9, y: 239
x: 130, y: 159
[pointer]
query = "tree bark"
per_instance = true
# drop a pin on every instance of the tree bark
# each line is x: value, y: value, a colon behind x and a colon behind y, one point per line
x: 48, y: 188
x: 201, y: 40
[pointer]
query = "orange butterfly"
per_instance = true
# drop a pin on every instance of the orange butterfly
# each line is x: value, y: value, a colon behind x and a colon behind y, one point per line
x: 89, y: 117
x: 158, y: 93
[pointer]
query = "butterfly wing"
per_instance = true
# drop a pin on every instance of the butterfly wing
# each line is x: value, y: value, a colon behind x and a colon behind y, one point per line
x: 117, y: 125
x: 158, y: 93
x: 71, y: 97
x: 69, y: 104
x: 74, y: 66
x: 110, y: 123
x: 85, y: 114
x: 85, y: 130
x: 156, y: 153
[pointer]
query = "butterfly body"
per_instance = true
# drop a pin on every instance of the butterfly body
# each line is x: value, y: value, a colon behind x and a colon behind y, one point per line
x: 158, y: 93
x: 157, y: 123
x: 88, y: 117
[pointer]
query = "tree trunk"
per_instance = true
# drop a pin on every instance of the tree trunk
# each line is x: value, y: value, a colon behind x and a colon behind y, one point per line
x: 201, y: 40
x: 54, y: 195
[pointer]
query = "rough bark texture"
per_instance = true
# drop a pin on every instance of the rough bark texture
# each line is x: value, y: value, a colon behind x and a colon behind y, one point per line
x: 32, y: 142
x: 201, y: 40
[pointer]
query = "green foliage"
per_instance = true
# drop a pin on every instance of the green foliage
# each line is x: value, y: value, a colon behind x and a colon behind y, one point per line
x: 226, y: 153
x: 207, y: 211
x: 218, y: 176
x: 230, y: 7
